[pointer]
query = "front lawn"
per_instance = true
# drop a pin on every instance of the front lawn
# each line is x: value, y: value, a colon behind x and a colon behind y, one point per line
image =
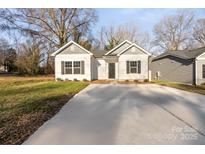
x: 27, y: 102
x: 200, y: 89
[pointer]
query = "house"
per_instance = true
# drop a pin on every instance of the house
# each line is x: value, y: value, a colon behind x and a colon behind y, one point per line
x: 187, y: 66
x: 127, y: 61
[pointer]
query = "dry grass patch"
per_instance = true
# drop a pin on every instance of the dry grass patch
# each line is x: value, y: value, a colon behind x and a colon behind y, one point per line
x: 200, y: 89
x: 27, y: 102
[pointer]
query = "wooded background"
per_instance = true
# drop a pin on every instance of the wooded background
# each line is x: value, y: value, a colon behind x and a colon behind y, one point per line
x: 36, y: 33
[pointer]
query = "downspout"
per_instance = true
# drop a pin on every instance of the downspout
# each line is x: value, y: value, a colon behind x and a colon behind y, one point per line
x: 195, y: 71
x: 118, y: 69
x: 149, y: 71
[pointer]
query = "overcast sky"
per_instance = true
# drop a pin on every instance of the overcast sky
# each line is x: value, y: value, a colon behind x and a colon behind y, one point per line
x: 144, y: 18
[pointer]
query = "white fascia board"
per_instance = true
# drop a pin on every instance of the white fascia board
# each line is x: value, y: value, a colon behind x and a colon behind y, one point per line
x: 198, y: 57
x: 126, y: 41
x: 135, y: 45
x: 67, y: 44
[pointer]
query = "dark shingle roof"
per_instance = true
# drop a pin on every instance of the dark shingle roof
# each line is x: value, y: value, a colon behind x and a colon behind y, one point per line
x: 184, y: 54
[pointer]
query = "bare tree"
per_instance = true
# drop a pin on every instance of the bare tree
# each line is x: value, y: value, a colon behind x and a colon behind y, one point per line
x: 56, y: 26
x: 30, y: 57
x: 174, y: 32
x: 4, y: 45
x: 112, y: 36
x: 199, y: 32
x: 7, y: 56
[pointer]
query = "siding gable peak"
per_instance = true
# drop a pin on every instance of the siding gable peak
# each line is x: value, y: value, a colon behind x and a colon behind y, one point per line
x: 69, y: 44
x: 134, y: 45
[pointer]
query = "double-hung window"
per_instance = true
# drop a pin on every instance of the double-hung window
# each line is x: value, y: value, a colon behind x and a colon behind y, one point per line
x: 73, y: 67
x: 76, y: 67
x: 133, y: 67
x: 68, y: 67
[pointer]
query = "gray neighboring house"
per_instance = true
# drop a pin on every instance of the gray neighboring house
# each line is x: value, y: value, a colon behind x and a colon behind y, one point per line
x: 186, y: 66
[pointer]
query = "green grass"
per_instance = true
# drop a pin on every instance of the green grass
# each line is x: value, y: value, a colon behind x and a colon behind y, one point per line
x: 200, y: 89
x: 26, y: 103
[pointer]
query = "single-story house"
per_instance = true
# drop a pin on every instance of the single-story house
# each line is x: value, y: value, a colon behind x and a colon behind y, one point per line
x: 127, y: 61
x: 187, y: 66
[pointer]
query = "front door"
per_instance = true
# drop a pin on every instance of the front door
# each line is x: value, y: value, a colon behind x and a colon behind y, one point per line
x: 111, y: 72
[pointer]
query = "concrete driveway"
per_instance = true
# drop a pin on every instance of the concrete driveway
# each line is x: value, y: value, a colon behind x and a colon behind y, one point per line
x: 127, y: 114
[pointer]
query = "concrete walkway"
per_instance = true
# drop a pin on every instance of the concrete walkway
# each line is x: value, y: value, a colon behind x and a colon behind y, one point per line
x: 127, y: 114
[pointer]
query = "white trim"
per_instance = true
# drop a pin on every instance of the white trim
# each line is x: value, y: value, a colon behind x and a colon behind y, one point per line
x: 64, y: 63
x: 196, y: 75
x: 72, y: 68
x: 126, y: 41
x: 198, y: 57
x: 135, y: 45
x: 67, y: 44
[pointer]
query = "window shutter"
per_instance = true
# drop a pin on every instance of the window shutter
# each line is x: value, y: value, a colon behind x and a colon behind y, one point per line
x: 139, y: 66
x: 62, y: 67
x: 203, y: 71
x: 82, y: 67
x: 128, y: 67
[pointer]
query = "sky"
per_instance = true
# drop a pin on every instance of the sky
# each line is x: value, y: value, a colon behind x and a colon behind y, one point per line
x: 144, y: 18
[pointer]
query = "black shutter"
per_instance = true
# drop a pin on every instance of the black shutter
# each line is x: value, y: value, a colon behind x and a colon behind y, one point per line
x: 82, y: 67
x: 203, y: 71
x: 139, y: 67
x: 128, y: 67
x: 62, y: 67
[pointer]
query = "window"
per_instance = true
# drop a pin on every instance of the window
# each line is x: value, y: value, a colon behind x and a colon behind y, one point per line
x: 134, y: 67
x: 68, y: 67
x: 73, y: 67
x: 76, y: 67
x: 203, y: 71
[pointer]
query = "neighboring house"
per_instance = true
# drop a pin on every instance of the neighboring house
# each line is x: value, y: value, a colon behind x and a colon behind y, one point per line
x: 127, y: 61
x: 180, y: 66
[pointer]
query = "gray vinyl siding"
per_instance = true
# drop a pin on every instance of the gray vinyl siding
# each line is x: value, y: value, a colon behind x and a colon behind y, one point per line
x: 73, y: 49
x: 120, y: 49
x: 133, y: 50
x: 173, y: 69
x: 199, y: 70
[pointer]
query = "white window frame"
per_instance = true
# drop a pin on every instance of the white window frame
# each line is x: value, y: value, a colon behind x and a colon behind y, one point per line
x: 79, y: 67
x: 136, y: 67
x: 72, y: 67
x: 67, y: 67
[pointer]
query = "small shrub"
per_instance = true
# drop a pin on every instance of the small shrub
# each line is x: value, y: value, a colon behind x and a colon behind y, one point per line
x: 59, y: 79
x: 126, y: 80
x: 146, y: 80
x: 75, y: 80
x: 85, y: 80
x: 136, y: 81
x: 203, y: 83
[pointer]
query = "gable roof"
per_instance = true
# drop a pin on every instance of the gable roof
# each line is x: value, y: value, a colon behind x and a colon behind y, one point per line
x: 134, y: 45
x: 68, y: 44
x: 183, y: 54
x: 119, y: 45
